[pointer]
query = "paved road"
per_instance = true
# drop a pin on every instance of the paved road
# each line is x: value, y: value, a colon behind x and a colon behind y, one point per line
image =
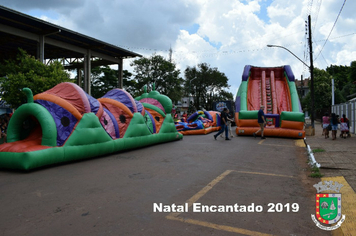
x: 115, y: 195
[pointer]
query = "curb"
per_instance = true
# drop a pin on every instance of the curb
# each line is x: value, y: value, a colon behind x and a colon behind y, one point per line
x: 312, y: 160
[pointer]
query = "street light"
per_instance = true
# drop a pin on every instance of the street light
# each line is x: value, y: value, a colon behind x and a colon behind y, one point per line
x: 277, y: 46
x: 311, y: 69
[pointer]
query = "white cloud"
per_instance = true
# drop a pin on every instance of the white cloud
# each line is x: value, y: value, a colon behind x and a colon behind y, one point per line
x: 345, y: 57
x: 231, y: 34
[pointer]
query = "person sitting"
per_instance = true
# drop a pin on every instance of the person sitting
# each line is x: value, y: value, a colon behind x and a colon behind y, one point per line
x: 344, y: 126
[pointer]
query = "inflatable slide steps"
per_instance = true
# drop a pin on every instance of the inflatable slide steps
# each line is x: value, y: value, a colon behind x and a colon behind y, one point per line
x: 274, y: 88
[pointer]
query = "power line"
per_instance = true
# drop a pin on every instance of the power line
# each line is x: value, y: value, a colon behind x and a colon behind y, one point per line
x: 310, y: 5
x: 317, y: 14
x: 331, y: 29
x: 341, y: 36
x: 210, y: 53
x: 181, y: 55
x: 320, y: 52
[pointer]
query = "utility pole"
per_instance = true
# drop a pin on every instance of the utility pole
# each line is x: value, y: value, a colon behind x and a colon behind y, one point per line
x: 170, y: 54
x: 311, y: 68
x: 301, y: 88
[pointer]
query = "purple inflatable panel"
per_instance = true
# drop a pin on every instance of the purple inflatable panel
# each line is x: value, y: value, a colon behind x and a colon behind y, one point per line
x: 123, y: 97
x: 246, y: 73
x: 193, y: 116
x: 94, y: 104
x: 237, y: 104
x: 139, y: 106
x: 64, y: 120
x: 289, y: 72
x: 207, y: 114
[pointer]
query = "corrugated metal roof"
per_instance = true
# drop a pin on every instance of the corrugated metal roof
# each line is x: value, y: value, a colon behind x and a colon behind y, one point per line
x: 9, y: 43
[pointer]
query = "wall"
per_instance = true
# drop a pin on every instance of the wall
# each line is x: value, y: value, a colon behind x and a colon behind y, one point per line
x: 349, y: 109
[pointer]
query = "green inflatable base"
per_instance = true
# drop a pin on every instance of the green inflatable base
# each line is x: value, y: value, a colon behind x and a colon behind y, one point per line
x: 88, y: 140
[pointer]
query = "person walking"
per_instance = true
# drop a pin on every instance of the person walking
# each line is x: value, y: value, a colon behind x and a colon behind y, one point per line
x: 229, y: 120
x: 334, y: 121
x: 325, y: 124
x: 224, y: 126
x: 261, y: 121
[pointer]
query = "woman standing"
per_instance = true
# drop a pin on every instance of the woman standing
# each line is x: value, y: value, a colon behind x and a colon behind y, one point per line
x: 334, y: 122
x: 326, y: 123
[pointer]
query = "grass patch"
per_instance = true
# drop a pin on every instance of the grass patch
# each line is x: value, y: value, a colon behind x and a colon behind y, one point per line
x: 316, y: 175
x: 318, y: 150
x: 315, y: 172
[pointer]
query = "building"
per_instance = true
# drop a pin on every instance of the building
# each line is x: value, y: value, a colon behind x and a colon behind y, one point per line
x: 302, y: 87
x: 183, y: 105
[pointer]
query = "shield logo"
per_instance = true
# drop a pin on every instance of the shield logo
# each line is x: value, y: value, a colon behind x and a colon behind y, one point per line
x: 328, y: 207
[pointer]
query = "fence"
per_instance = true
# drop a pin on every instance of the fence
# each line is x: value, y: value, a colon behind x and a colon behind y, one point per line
x: 349, y: 109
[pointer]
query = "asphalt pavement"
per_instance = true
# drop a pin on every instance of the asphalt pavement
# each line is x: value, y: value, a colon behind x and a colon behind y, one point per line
x: 264, y: 183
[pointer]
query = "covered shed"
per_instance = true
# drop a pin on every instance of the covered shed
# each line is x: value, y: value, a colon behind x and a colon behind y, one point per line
x: 47, y: 41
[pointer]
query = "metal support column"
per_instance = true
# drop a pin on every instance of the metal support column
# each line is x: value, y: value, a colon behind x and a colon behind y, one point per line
x: 120, y: 74
x: 87, y: 72
x: 41, y: 45
x: 79, y: 75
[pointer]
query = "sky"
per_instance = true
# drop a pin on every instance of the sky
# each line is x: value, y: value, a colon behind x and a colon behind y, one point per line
x: 226, y: 34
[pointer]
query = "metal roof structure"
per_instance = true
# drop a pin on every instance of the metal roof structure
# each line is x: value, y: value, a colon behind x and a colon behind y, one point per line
x: 47, y: 41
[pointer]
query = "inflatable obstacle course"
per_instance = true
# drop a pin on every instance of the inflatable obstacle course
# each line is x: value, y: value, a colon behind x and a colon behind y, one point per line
x: 65, y: 124
x: 200, y: 122
x: 273, y: 87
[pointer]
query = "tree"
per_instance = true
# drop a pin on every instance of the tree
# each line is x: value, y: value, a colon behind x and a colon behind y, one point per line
x: 352, y: 75
x: 322, y: 92
x: 161, y: 72
x: 344, y: 80
x: 105, y: 79
x: 206, y: 85
x: 340, y: 75
x: 130, y: 84
x: 352, y: 80
x: 26, y: 71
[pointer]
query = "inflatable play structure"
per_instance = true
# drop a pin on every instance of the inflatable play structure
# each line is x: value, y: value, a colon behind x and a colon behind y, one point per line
x: 275, y: 88
x: 200, y: 122
x: 65, y: 124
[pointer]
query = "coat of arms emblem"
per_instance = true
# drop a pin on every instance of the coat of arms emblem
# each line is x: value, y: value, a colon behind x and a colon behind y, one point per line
x: 328, y: 206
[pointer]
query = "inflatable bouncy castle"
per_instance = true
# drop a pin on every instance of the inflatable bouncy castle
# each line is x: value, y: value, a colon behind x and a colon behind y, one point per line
x: 200, y: 122
x: 273, y: 87
x: 65, y: 124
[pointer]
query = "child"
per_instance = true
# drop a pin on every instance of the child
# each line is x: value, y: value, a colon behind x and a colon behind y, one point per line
x: 344, y: 126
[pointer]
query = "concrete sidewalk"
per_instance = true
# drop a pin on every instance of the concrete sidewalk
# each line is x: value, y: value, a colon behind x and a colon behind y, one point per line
x: 336, y: 157
x: 338, y: 163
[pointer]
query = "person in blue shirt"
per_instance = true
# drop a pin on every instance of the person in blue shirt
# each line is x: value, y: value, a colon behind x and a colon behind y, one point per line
x: 261, y: 121
x: 334, y: 121
x: 224, y: 126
